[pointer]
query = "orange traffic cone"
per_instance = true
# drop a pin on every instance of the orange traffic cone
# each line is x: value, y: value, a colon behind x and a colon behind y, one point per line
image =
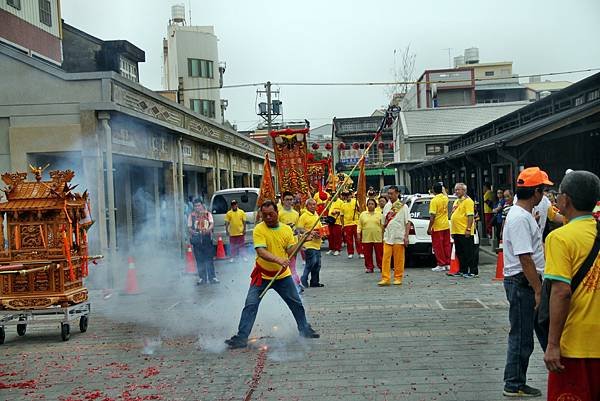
x: 131, y: 285
x: 500, y: 263
x: 454, y: 264
x: 190, y: 262
x: 220, y: 249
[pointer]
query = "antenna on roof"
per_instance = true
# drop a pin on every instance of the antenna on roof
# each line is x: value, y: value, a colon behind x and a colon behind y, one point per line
x: 190, y: 11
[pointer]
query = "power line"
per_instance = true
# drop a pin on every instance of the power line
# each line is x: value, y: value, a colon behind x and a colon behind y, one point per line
x: 486, y: 79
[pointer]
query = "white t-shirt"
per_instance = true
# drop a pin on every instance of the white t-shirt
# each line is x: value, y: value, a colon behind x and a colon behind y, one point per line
x: 521, y: 235
x: 542, y: 209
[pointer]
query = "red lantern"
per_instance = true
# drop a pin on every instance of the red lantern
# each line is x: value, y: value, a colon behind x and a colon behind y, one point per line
x: 342, y: 146
x: 391, y: 145
x: 328, y: 146
x: 315, y: 146
x: 355, y: 146
x: 380, y: 145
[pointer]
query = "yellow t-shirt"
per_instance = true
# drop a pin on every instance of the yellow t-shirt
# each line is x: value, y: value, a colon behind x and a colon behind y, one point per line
x: 439, y: 207
x: 306, y: 222
x: 288, y: 217
x: 277, y: 241
x: 566, y: 249
x: 369, y: 225
x: 236, y: 222
x: 461, y: 209
x: 488, y: 196
x: 350, y: 213
x: 336, y: 206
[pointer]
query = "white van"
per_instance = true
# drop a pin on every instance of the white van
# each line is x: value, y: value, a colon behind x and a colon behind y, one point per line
x: 220, y: 203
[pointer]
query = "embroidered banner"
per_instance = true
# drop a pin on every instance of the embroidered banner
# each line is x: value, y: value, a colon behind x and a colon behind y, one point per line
x: 290, y: 156
x: 316, y: 173
x: 267, y: 191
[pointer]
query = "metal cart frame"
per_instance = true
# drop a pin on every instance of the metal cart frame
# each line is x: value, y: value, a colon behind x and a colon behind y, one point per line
x: 46, y: 317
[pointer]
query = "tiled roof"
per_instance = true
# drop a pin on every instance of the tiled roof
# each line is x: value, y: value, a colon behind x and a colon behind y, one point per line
x: 454, y: 120
x: 32, y: 204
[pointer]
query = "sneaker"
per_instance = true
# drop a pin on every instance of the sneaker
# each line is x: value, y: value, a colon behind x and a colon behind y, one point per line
x: 475, y: 275
x: 329, y: 252
x: 318, y: 285
x: 383, y: 283
x: 237, y: 342
x: 523, y: 391
x: 369, y: 271
x: 336, y: 253
x: 214, y: 280
x: 446, y: 268
x: 309, y: 333
x: 468, y: 275
x: 360, y: 255
x: 397, y: 282
x: 438, y: 269
x: 457, y: 274
x: 350, y: 256
x: 200, y: 281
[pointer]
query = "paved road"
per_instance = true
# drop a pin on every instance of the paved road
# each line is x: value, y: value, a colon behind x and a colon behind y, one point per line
x: 434, y: 338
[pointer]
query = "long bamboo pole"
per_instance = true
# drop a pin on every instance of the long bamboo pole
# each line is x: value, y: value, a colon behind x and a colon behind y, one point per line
x: 333, y: 198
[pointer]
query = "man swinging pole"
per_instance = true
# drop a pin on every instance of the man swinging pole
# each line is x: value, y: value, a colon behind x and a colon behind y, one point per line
x: 274, y: 242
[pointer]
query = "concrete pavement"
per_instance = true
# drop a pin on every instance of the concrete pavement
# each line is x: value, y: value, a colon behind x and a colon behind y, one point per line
x: 433, y: 338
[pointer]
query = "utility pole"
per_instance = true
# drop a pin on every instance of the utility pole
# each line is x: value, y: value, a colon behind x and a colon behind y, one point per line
x: 269, y: 117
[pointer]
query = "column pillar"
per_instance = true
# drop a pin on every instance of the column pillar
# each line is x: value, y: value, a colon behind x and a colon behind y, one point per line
x: 128, y: 204
x: 104, y: 118
x: 157, y: 209
x: 217, y: 170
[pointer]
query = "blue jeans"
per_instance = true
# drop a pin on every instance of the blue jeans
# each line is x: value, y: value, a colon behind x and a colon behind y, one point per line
x: 312, y: 267
x: 286, y: 289
x: 521, y: 315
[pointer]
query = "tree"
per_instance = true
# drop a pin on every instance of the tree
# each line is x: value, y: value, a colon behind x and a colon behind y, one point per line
x: 403, y: 72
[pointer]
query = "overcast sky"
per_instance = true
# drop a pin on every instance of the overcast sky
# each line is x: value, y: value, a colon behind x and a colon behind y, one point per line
x: 350, y: 41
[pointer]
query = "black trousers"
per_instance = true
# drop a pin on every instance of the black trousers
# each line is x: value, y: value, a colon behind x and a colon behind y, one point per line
x: 465, y: 252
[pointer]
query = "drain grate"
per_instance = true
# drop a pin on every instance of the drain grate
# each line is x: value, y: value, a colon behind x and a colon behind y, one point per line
x: 461, y: 304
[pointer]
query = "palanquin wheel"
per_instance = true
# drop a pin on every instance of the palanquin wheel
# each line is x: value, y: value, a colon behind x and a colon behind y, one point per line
x: 83, y: 324
x: 65, y: 331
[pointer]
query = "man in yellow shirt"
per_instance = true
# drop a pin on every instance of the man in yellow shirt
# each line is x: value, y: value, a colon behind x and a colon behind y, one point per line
x: 439, y: 228
x: 350, y: 214
x: 573, y: 353
x: 335, y: 228
x: 235, y: 226
x: 488, y: 206
x: 289, y: 216
x: 274, y: 242
x: 309, y: 221
x: 462, y: 229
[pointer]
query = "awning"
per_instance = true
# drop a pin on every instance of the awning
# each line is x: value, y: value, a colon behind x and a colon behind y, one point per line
x: 375, y: 172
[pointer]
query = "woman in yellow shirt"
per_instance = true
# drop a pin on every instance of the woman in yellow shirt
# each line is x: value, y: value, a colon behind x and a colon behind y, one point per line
x: 370, y: 234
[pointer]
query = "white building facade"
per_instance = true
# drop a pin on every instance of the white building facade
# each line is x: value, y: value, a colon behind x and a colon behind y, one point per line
x: 191, y: 63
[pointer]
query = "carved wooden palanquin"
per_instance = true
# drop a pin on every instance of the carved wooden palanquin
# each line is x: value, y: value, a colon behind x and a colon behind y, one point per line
x: 45, y: 256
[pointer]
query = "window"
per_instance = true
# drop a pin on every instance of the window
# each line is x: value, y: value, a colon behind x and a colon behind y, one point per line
x: 200, y: 68
x: 14, y: 3
x: 128, y: 69
x: 489, y: 73
x: 433, y: 149
x: 204, y: 107
x: 45, y: 12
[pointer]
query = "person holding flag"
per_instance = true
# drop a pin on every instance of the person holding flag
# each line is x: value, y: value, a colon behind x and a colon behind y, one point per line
x: 274, y: 242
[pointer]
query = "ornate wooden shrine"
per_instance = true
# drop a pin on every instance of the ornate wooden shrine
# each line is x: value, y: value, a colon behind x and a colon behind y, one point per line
x: 45, y: 258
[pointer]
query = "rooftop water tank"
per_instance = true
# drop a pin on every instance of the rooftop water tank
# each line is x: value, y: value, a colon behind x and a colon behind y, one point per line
x: 472, y: 55
x: 458, y: 61
x: 178, y: 13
